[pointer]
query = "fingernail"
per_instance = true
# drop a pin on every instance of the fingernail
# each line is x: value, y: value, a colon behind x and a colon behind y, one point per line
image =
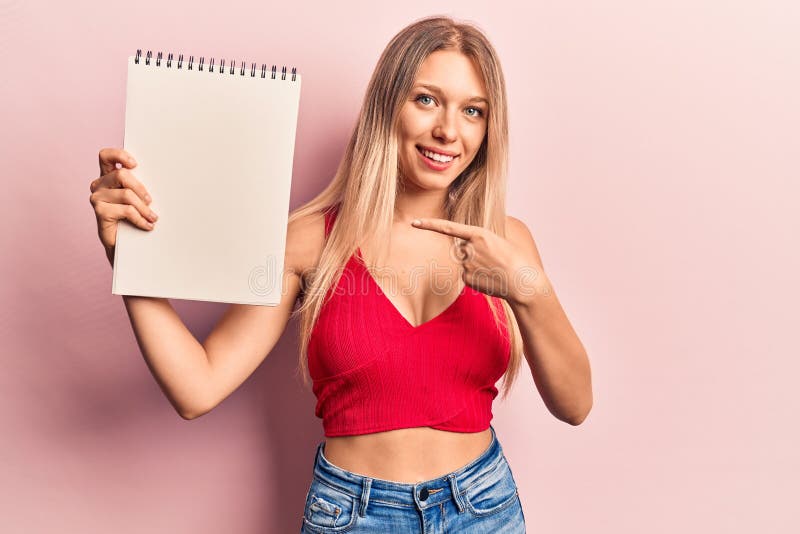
x: 155, y: 217
x: 147, y: 198
x: 416, y: 221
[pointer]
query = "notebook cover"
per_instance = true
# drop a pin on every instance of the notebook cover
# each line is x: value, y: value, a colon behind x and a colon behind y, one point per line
x: 215, y: 151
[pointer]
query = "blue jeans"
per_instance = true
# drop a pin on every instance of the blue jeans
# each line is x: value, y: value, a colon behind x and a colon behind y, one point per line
x: 479, y: 497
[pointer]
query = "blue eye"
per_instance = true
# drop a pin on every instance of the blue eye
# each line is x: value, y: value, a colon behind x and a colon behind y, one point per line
x: 423, y: 96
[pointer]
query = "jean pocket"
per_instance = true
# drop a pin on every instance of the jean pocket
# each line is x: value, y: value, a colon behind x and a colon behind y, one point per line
x: 328, y: 509
x: 493, y: 491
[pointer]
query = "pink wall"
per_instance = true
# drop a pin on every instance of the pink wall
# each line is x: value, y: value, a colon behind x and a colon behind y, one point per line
x: 654, y: 157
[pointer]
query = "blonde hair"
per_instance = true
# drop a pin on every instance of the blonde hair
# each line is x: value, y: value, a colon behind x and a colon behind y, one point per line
x: 366, y: 180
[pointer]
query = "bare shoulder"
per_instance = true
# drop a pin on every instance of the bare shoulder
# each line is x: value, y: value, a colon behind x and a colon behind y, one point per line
x: 518, y: 233
x: 305, y: 238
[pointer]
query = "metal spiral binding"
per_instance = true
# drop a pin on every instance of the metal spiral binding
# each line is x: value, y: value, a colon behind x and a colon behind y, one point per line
x: 221, y: 70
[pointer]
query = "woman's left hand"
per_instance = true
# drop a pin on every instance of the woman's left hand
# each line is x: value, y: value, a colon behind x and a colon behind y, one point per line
x: 493, y: 264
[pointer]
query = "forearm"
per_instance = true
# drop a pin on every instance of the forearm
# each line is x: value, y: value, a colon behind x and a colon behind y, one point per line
x: 557, y: 359
x: 175, y: 358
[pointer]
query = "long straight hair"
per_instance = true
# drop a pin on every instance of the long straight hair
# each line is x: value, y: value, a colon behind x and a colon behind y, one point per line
x: 366, y: 180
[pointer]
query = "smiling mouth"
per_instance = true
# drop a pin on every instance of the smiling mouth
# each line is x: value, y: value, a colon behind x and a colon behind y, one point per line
x: 434, y: 155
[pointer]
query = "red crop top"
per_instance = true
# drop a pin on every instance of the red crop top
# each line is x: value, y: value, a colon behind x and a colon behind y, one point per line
x: 374, y: 371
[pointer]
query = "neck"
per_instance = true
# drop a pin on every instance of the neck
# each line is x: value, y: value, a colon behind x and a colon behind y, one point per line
x: 414, y: 204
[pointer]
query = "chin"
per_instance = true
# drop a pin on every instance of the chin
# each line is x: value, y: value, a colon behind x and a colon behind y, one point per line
x: 429, y: 184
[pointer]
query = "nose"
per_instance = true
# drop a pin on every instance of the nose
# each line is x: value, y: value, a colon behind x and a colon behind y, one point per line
x: 445, y: 129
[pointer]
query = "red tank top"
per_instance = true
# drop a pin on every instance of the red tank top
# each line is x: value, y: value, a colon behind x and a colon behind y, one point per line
x: 374, y: 371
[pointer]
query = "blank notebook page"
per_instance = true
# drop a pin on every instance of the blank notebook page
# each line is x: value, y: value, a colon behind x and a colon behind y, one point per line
x: 215, y: 151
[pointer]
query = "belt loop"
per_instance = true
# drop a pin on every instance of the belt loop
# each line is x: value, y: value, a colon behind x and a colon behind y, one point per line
x: 316, y: 456
x: 456, y: 494
x: 362, y: 510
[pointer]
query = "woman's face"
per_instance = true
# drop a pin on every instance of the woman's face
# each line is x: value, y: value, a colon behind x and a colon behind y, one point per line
x: 446, y: 112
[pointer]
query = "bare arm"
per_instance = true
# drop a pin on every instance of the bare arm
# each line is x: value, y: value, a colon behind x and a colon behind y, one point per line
x: 196, y: 376
x: 245, y: 335
x: 174, y: 356
x: 241, y: 340
x: 556, y: 356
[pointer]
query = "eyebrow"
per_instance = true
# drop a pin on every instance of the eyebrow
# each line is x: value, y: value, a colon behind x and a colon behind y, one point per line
x: 438, y: 90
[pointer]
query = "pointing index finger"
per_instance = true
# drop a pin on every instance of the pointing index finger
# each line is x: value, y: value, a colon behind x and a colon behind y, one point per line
x: 444, y: 226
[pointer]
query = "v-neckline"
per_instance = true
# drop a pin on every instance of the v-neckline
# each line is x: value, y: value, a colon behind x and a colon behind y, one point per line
x: 391, y: 304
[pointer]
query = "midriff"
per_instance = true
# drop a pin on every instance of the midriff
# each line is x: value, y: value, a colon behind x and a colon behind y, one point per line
x: 407, y: 455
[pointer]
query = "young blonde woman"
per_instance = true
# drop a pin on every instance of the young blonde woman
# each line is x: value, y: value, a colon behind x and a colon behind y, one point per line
x: 405, y: 326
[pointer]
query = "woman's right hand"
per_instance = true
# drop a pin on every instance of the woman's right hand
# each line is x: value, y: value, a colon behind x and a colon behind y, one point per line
x: 116, y: 195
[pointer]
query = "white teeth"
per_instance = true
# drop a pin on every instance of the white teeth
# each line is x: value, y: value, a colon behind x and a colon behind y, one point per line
x: 437, y: 157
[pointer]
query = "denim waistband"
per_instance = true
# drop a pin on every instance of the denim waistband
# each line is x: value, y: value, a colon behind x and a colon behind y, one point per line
x: 421, y: 494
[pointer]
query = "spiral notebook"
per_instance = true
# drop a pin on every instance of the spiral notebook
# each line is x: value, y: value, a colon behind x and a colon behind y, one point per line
x: 214, y: 146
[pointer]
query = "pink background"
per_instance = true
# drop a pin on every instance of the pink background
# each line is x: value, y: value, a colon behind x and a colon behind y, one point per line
x: 653, y: 155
